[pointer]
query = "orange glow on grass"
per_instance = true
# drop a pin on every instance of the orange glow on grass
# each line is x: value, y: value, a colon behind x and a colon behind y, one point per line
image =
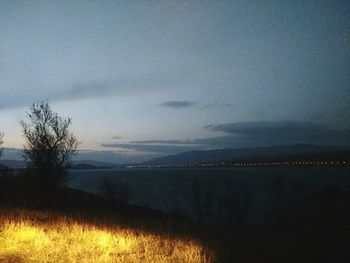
x: 67, y: 241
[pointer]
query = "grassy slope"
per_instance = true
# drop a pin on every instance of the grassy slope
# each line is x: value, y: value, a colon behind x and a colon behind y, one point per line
x: 31, y: 236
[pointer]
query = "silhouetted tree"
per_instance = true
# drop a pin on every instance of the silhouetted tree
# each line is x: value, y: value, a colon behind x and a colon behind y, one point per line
x: 3, y: 169
x: 50, y: 144
x: 1, y: 142
x: 4, y: 173
x: 1, y: 149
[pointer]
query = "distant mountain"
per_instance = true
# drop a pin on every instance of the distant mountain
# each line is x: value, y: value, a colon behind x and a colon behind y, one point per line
x: 83, y: 164
x: 109, y: 157
x: 92, y: 164
x: 15, y: 164
x: 332, y: 155
x: 12, y: 154
x: 194, y: 157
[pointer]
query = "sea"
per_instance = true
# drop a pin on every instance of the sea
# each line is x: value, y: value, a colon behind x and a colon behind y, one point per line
x: 171, y: 189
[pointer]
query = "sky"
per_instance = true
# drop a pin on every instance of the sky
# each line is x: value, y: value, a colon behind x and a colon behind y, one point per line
x: 143, y: 79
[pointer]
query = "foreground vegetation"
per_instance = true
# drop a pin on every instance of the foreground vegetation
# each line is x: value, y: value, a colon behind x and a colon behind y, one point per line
x: 70, y: 225
x: 47, y: 237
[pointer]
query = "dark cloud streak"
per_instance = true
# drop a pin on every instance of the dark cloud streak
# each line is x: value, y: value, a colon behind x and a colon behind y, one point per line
x: 244, y: 135
x: 164, y: 142
x: 153, y: 148
x: 217, y: 105
x: 177, y: 104
x: 283, y: 132
x: 265, y: 127
x: 133, y: 84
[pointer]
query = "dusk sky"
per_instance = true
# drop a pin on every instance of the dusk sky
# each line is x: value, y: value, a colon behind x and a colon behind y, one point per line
x: 149, y: 78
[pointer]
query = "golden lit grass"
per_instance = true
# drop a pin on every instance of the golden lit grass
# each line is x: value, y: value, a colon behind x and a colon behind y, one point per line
x: 28, y: 239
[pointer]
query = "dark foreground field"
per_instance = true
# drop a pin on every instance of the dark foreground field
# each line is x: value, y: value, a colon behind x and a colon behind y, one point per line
x: 74, y: 226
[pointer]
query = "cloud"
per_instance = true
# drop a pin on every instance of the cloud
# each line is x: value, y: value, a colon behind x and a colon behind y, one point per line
x: 160, y: 146
x: 164, y: 142
x: 217, y: 105
x: 99, y: 89
x: 244, y: 135
x: 262, y: 127
x: 283, y: 132
x: 167, y: 78
x: 177, y: 104
x: 153, y: 148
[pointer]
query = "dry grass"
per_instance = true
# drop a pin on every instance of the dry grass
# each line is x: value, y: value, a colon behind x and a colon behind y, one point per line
x: 41, y: 237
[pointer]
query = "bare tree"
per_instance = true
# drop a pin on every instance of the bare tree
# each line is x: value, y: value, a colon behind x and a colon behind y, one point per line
x: 5, y: 180
x: 1, y: 142
x: 50, y: 144
x: 2, y: 168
